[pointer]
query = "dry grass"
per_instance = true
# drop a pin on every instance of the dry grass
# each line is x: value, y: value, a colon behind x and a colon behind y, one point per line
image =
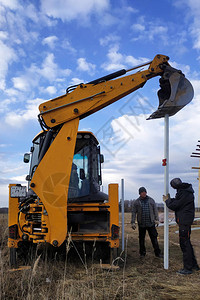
x: 76, y: 279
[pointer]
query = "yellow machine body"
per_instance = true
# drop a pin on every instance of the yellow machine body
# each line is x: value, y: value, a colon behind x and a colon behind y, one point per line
x: 45, y: 213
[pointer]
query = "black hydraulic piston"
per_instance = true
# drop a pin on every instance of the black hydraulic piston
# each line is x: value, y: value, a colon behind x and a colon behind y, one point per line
x: 109, y: 77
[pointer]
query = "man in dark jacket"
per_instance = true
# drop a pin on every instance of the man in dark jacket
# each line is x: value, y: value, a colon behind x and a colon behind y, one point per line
x: 147, y: 216
x: 183, y: 205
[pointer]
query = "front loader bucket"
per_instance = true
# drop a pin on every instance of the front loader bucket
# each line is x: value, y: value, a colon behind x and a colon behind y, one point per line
x: 176, y: 92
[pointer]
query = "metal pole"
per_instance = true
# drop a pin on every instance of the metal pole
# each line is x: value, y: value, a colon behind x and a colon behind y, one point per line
x: 122, y: 209
x: 198, y: 204
x: 166, y: 191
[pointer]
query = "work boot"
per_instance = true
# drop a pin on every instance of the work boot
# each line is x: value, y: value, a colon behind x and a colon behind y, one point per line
x: 196, y: 268
x: 159, y: 255
x: 142, y: 255
x: 184, y: 272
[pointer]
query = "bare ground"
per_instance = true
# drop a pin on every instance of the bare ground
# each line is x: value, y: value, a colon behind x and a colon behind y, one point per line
x: 86, y: 279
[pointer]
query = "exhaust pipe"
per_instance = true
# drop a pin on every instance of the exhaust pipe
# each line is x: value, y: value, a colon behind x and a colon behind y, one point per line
x: 175, y: 92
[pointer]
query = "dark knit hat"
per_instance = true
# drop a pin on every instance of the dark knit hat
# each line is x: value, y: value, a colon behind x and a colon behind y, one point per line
x: 142, y: 189
x: 175, y: 183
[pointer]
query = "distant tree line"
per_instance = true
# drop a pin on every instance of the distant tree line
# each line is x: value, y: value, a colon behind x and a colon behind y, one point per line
x: 128, y: 205
x: 3, y: 210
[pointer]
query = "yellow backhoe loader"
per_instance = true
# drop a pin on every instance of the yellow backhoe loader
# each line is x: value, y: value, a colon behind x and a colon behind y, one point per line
x: 63, y: 198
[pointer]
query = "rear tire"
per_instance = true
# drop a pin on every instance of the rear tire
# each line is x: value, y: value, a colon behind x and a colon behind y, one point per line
x: 13, y: 257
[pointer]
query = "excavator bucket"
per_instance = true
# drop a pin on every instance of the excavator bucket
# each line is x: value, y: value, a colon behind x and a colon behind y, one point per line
x: 176, y: 92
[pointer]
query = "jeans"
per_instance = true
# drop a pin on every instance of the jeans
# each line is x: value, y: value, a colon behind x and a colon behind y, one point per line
x: 153, y: 236
x: 189, y: 260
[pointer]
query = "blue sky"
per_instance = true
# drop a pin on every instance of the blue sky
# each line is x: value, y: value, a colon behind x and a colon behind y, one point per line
x: 47, y: 45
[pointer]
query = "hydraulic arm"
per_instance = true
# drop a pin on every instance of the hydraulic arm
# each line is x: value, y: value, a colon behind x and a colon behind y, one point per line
x: 176, y: 92
x: 91, y: 97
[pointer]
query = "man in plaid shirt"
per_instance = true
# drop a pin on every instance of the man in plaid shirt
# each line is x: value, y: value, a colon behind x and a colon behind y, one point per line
x: 147, y: 217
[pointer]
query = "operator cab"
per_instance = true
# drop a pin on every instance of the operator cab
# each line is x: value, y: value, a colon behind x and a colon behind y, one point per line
x: 85, y: 180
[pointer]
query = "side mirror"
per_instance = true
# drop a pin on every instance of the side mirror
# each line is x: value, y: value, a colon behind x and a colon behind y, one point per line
x: 27, y: 158
x: 99, y: 180
x: 82, y: 174
x: 101, y: 158
x: 28, y: 178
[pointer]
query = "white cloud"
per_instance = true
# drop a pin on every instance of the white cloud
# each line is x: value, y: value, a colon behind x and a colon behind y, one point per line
x: 117, y: 61
x: 12, y: 92
x: 66, y: 10
x: 132, y: 61
x: 7, y: 167
x: 31, y: 13
x: 157, y: 31
x: 4, y: 104
x: 50, y: 90
x: 109, y: 39
x: 192, y: 4
x: 7, y: 56
x: 19, y: 179
x: 16, y: 24
x: 7, y: 171
x: 21, y: 83
x: 148, y: 30
x: 192, y: 10
x: 19, y: 20
x: 32, y: 77
x: 4, y: 194
x: 113, y: 54
x: 138, y: 27
x: 195, y: 32
x: 75, y: 81
x: 184, y: 68
x: 3, y: 35
x: 108, y: 19
x: 50, y: 69
x: 67, y: 45
x: 11, y: 4
x: 131, y: 9
x: 85, y: 66
x: 50, y: 41
x: 19, y: 117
